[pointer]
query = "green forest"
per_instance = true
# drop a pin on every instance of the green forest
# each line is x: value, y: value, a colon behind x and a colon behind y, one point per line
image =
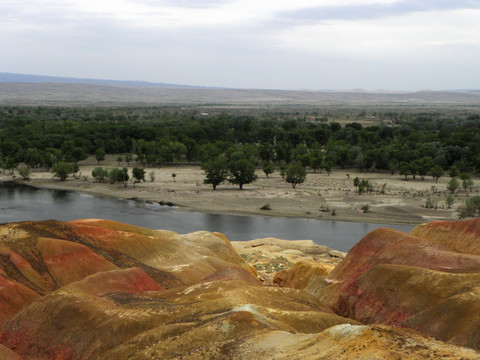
x: 411, y: 144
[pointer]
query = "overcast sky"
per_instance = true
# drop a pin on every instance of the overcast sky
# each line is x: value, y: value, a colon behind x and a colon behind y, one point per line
x: 280, y: 44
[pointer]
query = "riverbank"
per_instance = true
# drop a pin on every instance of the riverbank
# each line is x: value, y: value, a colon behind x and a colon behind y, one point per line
x: 331, y: 197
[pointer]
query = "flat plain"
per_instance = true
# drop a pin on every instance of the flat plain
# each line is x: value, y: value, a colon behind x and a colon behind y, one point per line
x: 321, y: 196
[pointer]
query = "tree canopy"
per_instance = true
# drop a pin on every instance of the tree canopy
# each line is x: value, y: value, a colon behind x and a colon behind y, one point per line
x: 216, y: 171
x: 295, y: 174
x: 413, y: 142
x: 242, y: 172
x: 62, y: 169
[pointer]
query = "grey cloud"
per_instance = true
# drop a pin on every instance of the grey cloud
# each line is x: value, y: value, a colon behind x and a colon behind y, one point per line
x: 373, y: 11
x: 195, y: 4
x: 236, y: 55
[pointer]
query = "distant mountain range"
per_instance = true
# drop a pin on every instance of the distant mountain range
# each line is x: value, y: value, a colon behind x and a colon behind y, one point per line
x: 35, y: 79
x: 22, y: 89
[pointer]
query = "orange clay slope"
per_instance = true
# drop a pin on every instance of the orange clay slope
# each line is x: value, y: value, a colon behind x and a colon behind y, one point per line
x: 106, y: 286
x: 395, y: 278
x: 39, y: 257
x: 462, y: 236
x: 97, y: 289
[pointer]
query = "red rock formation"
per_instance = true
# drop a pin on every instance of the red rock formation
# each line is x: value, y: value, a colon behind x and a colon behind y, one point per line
x: 7, y: 354
x: 103, y: 300
x: 96, y: 289
x: 388, y: 246
x: 161, y: 254
x: 462, y: 236
x: 394, y: 278
x: 13, y: 298
x: 130, y: 281
x: 67, y: 261
x: 77, y: 321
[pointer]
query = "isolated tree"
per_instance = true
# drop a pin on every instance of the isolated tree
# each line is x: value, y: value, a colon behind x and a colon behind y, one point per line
x: 449, y: 200
x: 62, y: 169
x: 242, y: 172
x: 100, y: 154
x: 119, y: 159
x: 174, y: 177
x: 138, y: 174
x: 268, y: 168
x: 436, y: 172
x: 295, y: 174
x: 24, y: 172
x: 467, y: 182
x: 216, y: 171
x: 453, y: 185
x: 123, y: 176
x: 151, y: 175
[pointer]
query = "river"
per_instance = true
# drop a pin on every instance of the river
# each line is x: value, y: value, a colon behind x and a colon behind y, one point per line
x: 20, y: 202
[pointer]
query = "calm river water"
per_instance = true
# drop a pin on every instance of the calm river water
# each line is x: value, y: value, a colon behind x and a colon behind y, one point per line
x: 19, y: 203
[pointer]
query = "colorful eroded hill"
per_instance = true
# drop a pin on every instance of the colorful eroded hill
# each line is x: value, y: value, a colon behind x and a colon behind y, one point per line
x: 97, y: 289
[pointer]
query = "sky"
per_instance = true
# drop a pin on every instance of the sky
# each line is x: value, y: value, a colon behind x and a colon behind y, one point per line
x: 404, y: 45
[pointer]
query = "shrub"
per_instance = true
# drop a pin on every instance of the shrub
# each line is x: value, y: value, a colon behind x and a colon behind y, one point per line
x: 114, y: 175
x: 471, y: 207
x: 429, y: 203
x: 24, y: 172
x: 151, y: 175
x: 99, y: 173
x: 384, y: 188
x: 138, y: 174
x: 449, y: 200
x: 62, y: 169
x: 453, y: 185
x: 364, y: 186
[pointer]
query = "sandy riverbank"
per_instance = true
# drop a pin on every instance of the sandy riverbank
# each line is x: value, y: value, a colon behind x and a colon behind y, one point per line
x: 321, y: 196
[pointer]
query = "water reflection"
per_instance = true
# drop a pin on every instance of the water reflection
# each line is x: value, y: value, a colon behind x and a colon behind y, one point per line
x: 18, y: 203
x: 61, y: 196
